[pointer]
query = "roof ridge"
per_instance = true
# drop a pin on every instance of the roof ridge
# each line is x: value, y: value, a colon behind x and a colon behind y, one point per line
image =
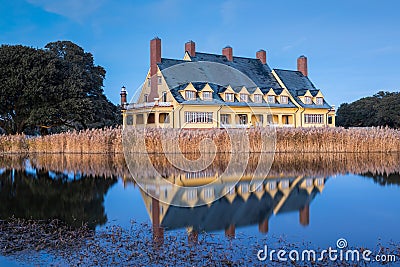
x: 224, y: 55
x: 287, y: 70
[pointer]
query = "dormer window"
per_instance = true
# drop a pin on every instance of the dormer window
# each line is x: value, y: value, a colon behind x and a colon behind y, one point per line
x: 244, y: 97
x: 271, y: 99
x: 229, y: 97
x: 190, y: 95
x: 307, y: 100
x: 319, y: 101
x: 207, y: 95
x: 284, y: 99
x: 257, y: 98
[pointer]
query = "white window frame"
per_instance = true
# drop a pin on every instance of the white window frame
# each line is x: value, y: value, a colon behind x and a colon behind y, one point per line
x: 231, y: 97
x: 190, y: 95
x: 207, y: 95
x: 225, y: 119
x: 243, y: 97
x: 198, y: 117
x: 284, y: 99
x: 258, y: 98
x: 307, y: 100
x: 146, y: 97
x: 314, y: 118
x: 271, y: 99
x: 319, y: 101
x: 159, y: 79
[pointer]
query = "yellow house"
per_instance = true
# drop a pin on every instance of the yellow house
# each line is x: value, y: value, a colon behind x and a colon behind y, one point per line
x: 214, y: 91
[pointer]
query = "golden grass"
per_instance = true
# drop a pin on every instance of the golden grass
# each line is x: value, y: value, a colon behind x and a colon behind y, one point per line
x: 293, y: 140
x: 284, y: 164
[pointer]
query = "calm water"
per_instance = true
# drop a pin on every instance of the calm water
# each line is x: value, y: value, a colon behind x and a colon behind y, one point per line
x: 361, y: 205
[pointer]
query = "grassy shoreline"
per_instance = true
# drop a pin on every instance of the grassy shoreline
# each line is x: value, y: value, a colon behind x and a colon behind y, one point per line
x: 279, y: 140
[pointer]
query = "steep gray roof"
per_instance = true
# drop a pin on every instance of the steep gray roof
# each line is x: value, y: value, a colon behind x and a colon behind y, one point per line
x: 295, y: 81
x: 178, y: 72
x: 259, y: 73
x: 241, y: 71
x: 298, y: 84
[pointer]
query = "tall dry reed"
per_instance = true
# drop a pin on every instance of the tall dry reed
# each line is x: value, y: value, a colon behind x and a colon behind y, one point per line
x: 287, y: 140
x: 284, y: 164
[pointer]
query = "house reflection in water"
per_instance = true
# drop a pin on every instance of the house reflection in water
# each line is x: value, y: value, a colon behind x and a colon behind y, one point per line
x: 243, y: 204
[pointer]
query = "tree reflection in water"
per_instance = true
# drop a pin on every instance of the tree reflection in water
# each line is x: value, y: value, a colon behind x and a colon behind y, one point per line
x: 41, y: 194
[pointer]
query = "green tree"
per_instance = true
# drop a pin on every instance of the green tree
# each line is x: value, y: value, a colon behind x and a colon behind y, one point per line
x: 56, y: 88
x: 381, y: 109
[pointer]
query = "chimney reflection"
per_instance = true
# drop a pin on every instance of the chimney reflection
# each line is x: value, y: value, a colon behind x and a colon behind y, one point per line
x: 193, y: 237
x: 230, y: 231
x: 305, y: 215
x: 158, y: 231
x: 263, y: 226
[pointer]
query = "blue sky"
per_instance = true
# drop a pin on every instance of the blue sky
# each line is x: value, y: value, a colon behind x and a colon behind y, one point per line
x: 353, y: 47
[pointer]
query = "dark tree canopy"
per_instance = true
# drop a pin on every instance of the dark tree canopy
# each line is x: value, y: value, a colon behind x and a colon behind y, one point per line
x: 56, y: 88
x: 381, y: 109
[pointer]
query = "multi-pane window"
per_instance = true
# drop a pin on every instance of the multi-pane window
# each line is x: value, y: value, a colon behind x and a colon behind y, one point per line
x: 208, y: 192
x: 207, y: 95
x: 260, y: 119
x: 243, y: 97
x: 229, y: 97
x: 319, y: 101
x: 271, y: 185
x: 159, y: 79
x: 191, y: 194
x: 139, y: 119
x: 284, y: 99
x: 257, y: 98
x: 190, y: 95
x: 271, y: 99
x: 307, y: 100
x: 129, y: 119
x: 269, y: 119
x: 242, y: 119
x: 198, y: 117
x: 313, y: 118
x: 225, y: 119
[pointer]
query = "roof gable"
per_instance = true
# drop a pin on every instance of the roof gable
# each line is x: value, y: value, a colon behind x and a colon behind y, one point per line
x: 294, y: 81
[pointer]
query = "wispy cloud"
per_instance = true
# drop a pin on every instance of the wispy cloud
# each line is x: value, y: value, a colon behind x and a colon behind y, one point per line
x: 388, y: 49
x: 228, y: 11
x: 76, y: 10
x: 294, y: 44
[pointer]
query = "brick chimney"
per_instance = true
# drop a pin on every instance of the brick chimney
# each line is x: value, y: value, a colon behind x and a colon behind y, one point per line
x: 123, y: 97
x: 227, y: 51
x: 302, y: 65
x: 305, y: 215
x: 190, y: 47
x: 262, y: 56
x: 155, y: 57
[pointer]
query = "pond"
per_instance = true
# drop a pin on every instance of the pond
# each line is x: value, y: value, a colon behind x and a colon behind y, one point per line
x: 305, y: 201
